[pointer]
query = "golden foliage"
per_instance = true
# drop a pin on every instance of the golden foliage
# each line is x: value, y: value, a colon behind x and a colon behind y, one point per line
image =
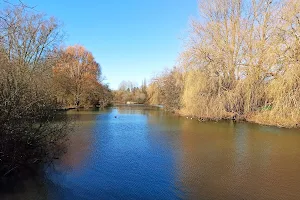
x: 242, y: 60
x: 76, y: 77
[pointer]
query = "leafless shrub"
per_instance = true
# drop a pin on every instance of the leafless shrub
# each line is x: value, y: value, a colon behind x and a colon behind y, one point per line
x: 32, y: 130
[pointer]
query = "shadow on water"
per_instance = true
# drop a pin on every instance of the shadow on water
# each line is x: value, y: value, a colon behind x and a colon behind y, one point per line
x: 137, y: 153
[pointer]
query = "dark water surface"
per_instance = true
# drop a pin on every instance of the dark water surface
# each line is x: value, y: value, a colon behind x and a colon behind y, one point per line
x: 148, y: 154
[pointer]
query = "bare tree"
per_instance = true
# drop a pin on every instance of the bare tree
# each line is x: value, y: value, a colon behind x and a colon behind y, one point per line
x: 29, y: 134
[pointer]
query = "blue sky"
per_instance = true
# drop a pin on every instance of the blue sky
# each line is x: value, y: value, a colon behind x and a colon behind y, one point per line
x: 132, y: 39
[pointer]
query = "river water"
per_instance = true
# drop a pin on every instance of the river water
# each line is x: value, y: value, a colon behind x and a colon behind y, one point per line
x: 143, y: 153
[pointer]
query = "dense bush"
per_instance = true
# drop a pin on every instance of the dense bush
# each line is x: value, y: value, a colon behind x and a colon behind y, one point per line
x: 32, y: 132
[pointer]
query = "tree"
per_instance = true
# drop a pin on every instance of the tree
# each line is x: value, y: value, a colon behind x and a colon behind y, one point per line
x: 167, y: 89
x: 129, y: 91
x: 29, y: 136
x: 241, y: 61
x: 28, y: 38
x: 232, y: 54
x: 77, y: 74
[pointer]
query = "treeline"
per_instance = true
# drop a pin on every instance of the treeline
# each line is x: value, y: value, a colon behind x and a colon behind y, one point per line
x: 241, y: 61
x: 37, y: 77
x: 130, y: 92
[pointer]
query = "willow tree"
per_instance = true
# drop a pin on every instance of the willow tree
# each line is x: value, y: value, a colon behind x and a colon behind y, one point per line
x: 284, y: 90
x: 213, y: 54
x: 232, y: 52
x: 166, y: 89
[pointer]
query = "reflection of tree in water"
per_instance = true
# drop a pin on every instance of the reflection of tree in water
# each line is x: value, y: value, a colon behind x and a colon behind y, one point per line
x: 203, y: 161
x: 137, y: 109
x: 36, y: 188
x: 207, y: 160
x: 80, y: 140
x: 78, y: 147
x: 226, y: 161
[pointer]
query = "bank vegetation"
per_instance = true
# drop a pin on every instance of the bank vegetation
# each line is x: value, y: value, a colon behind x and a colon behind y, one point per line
x: 241, y: 61
x: 130, y: 93
x: 38, y: 77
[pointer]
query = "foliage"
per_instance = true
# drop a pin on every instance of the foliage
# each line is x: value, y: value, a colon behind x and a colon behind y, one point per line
x: 241, y: 58
x: 30, y: 134
x: 166, y: 89
x: 76, y: 77
x: 130, y: 92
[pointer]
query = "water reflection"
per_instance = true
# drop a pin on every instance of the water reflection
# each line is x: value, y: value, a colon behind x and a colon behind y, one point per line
x: 80, y: 139
x: 243, y: 161
x: 136, y: 153
x: 129, y: 160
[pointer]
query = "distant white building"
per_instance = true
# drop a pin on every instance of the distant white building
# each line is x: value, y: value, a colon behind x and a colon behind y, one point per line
x: 131, y: 102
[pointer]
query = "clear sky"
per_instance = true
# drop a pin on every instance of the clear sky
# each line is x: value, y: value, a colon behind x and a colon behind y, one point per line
x: 131, y: 39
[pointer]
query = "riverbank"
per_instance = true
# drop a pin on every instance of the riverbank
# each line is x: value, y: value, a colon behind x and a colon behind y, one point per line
x: 261, y: 118
x: 138, y: 105
x: 66, y: 108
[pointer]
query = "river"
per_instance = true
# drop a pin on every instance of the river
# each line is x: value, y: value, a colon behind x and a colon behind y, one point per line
x: 142, y: 153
